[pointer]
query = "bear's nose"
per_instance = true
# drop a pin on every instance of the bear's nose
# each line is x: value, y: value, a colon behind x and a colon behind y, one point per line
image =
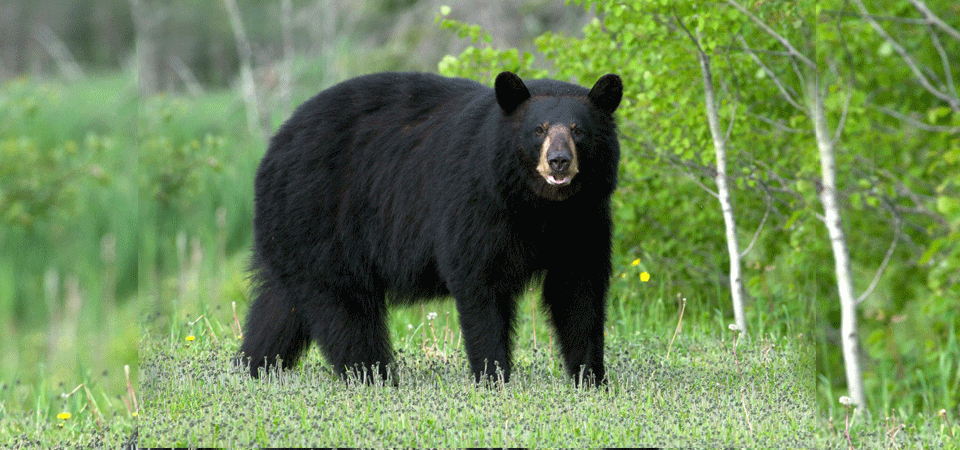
x: 559, y: 162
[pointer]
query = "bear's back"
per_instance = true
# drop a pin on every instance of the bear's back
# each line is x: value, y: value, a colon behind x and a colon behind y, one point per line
x: 410, y: 92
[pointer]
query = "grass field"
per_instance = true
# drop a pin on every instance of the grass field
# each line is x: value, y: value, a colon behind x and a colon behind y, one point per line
x: 701, y: 391
x: 695, y: 392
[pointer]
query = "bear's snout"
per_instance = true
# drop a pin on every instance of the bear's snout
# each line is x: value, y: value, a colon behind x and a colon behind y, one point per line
x: 559, y: 161
x: 558, y: 156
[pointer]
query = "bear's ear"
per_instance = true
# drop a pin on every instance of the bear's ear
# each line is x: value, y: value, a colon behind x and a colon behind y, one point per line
x: 607, y: 92
x: 511, y: 91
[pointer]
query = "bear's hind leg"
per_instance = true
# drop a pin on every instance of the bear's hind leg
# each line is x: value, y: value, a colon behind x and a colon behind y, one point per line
x: 352, y: 331
x: 273, y: 330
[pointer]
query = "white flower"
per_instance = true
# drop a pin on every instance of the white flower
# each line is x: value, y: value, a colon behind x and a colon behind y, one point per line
x: 846, y: 401
x: 431, y: 316
x: 733, y: 327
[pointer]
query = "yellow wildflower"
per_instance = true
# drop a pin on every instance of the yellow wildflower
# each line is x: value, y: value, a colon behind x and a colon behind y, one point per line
x: 644, y: 277
x: 635, y: 262
x: 190, y: 338
x: 63, y: 416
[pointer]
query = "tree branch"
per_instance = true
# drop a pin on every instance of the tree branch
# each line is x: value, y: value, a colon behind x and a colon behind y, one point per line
x: 59, y: 52
x: 920, y: 204
x: 886, y: 260
x: 703, y: 186
x: 850, y: 83
x: 736, y: 100
x: 759, y: 228
x: 907, y: 20
x: 757, y: 50
x: 783, y: 41
x: 843, y: 118
x: 948, y: 73
x: 776, y: 124
x: 934, y: 20
x: 915, y: 122
x: 186, y: 76
x: 689, y: 170
x: 914, y: 67
x: 776, y: 80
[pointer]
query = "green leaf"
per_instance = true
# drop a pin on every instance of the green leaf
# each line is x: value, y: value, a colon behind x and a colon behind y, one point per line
x: 793, y: 218
x: 948, y: 205
x: 934, y: 115
x: 885, y: 49
x: 932, y: 250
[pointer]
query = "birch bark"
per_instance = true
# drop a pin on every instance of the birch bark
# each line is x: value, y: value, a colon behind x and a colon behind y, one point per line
x: 841, y: 255
x: 723, y: 195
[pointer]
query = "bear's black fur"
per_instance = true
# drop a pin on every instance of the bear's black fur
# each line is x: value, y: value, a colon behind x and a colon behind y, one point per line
x: 418, y: 186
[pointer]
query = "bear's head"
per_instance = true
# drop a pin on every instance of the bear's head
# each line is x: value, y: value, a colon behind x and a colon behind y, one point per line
x: 563, y: 130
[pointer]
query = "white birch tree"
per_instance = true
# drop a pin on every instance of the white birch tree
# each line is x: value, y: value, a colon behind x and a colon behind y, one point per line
x: 723, y: 194
x: 248, y: 86
x: 816, y: 89
x: 145, y: 23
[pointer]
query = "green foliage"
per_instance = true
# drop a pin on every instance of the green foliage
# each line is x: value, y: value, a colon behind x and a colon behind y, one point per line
x: 485, y: 63
x: 173, y: 164
x: 898, y: 173
x: 41, y: 179
x: 64, y: 164
x: 195, y: 179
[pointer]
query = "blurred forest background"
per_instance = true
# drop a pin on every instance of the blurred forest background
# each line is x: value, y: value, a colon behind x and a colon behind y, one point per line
x: 130, y: 132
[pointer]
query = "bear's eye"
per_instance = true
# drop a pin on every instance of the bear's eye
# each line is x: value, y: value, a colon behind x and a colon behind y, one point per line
x: 577, y: 132
x: 540, y: 130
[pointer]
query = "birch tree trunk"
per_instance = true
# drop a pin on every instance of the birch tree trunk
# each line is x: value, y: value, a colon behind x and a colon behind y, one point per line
x: 145, y: 48
x: 247, y: 86
x: 828, y: 197
x: 723, y: 189
x: 723, y: 194
x: 286, y: 74
x: 841, y: 256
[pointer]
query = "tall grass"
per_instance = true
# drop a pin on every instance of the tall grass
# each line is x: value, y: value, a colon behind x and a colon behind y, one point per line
x: 68, y: 259
x: 68, y: 229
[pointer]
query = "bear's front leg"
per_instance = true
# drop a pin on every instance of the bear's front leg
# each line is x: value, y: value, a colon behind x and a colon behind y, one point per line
x: 577, y: 305
x: 486, y: 321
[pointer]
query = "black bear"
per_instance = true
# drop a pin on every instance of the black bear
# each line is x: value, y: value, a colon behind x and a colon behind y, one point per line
x: 414, y: 186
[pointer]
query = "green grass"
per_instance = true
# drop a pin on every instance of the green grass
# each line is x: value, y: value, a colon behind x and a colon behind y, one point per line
x: 895, y: 429
x: 701, y: 395
x: 690, y: 393
x: 190, y: 394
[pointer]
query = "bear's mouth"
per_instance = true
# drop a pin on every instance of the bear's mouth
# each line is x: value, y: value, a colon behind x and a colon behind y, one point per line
x: 559, y: 180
